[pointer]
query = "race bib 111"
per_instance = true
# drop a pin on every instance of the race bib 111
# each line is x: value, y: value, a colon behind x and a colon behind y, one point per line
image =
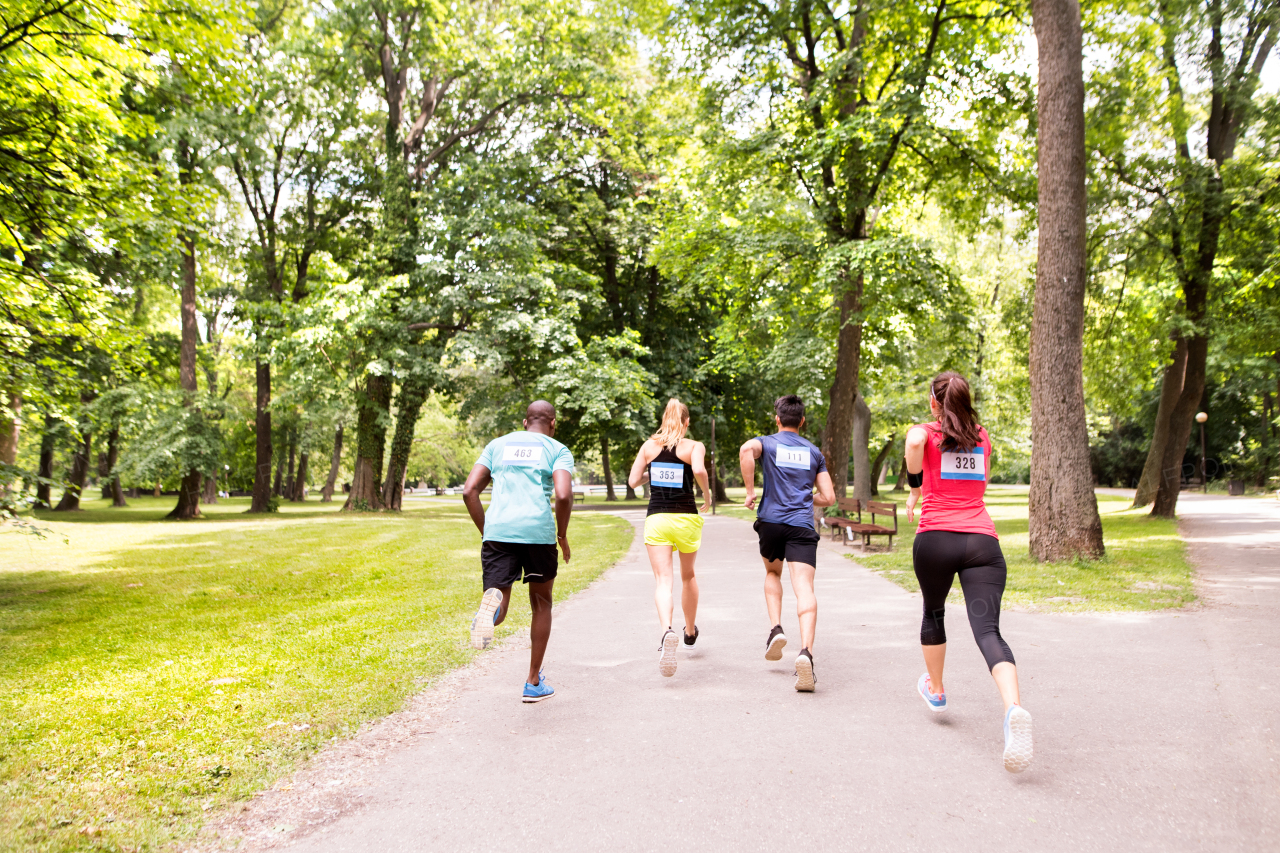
x: 666, y: 475
x: 964, y: 466
x: 527, y: 455
x: 792, y: 457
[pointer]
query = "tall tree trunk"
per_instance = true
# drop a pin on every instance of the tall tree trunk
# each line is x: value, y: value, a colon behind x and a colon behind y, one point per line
x: 300, y: 484
x: 79, y: 473
x: 10, y: 427
x: 111, y: 482
x: 371, y: 440
x: 861, y: 452
x: 413, y: 394
x: 608, y: 470
x: 45, y: 471
x: 210, y: 494
x: 1170, y: 389
x: 877, y: 467
x: 631, y: 493
x: 900, y: 485
x: 277, y: 484
x: 189, y: 489
x: 262, y: 441
x: 1064, y: 520
x: 838, y: 435
x: 326, y: 494
x: 292, y: 438
x: 1181, y: 422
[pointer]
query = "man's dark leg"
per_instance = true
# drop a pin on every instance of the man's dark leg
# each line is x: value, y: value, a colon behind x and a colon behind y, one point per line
x: 539, y: 625
x: 506, y: 605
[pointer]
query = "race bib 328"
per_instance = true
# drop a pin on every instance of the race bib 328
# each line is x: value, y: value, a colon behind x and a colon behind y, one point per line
x: 792, y: 457
x: 964, y: 466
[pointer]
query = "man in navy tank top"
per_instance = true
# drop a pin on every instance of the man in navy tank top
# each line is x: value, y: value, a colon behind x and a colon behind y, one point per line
x: 792, y: 467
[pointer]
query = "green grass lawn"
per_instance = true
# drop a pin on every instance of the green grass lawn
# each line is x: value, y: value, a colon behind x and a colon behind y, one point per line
x: 1145, y: 567
x: 151, y: 671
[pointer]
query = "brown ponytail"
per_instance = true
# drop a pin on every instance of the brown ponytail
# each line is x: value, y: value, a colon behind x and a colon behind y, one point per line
x: 958, y: 420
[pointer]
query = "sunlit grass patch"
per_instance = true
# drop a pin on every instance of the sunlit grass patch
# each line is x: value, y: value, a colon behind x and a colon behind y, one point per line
x: 151, y: 671
x: 1145, y: 567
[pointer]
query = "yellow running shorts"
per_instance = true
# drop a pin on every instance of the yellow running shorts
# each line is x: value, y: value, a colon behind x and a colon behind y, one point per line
x: 680, y: 529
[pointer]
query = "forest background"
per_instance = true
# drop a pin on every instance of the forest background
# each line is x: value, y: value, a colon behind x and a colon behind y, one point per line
x: 284, y: 247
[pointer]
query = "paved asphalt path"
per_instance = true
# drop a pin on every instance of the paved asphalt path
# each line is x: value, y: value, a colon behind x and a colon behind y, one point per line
x: 1153, y: 731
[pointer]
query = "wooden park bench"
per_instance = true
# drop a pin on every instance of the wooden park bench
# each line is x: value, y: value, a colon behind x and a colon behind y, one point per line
x: 580, y: 496
x: 847, y: 527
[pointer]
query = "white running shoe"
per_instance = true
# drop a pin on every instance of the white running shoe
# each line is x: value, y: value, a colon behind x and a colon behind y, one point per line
x: 667, y: 660
x: 482, y: 624
x: 805, y: 681
x: 1017, y: 739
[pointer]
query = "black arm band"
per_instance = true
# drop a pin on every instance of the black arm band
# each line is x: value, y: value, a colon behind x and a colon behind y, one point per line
x: 915, y: 481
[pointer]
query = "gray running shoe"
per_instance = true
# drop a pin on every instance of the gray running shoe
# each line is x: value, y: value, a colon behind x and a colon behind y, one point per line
x: 773, y: 645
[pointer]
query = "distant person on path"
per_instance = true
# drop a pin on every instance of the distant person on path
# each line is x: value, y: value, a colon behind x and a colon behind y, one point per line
x: 792, y: 466
x: 670, y: 463
x: 947, y: 462
x: 519, y: 532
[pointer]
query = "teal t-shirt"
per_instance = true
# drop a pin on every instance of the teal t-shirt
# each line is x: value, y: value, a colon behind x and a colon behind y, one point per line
x: 521, y: 464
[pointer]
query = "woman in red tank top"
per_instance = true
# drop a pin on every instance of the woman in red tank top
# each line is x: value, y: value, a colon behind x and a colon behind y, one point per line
x: 948, y: 465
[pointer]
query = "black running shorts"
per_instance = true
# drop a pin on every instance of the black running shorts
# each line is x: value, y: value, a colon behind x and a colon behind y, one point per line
x: 787, y: 542
x: 504, y: 563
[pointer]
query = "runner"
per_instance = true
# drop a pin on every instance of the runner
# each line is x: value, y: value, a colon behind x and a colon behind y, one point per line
x: 670, y: 463
x: 947, y: 459
x: 792, y: 466
x: 519, y: 532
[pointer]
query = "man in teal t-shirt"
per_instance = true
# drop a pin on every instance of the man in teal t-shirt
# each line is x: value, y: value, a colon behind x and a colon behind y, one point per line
x: 519, y: 531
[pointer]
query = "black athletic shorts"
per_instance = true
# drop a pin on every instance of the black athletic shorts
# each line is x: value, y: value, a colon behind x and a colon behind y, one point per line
x: 787, y: 542
x: 504, y: 563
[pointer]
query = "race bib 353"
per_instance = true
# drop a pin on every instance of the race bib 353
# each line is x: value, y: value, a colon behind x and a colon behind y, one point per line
x: 964, y: 466
x: 792, y: 457
x: 522, y: 454
x: 666, y: 474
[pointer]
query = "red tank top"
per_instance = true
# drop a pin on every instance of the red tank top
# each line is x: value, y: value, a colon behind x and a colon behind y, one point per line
x: 954, y: 484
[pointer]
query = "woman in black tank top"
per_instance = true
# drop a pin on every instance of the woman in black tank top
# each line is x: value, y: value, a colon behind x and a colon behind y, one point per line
x: 670, y: 463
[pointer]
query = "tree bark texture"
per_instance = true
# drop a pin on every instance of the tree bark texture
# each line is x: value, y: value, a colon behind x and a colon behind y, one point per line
x: 277, y: 483
x: 901, y: 484
x: 326, y: 494
x: 1181, y: 422
x: 408, y: 407
x: 79, y: 473
x: 45, y: 471
x: 878, y: 472
x: 608, y: 470
x: 262, y: 441
x: 861, y: 452
x: 189, y: 490
x: 1170, y: 389
x: 838, y: 435
x: 10, y: 429
x: 371, y: 440
x: 110, y: 479
x: 1064, y: 520
x: 299, y: 492
x: 210, y: 493
x: 292, y: 438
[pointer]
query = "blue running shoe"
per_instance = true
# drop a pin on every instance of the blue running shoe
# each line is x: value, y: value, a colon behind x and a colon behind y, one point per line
x: 937, y: 702
x: 536, y: 693
x: 1017, y: 739
x: 482, y: 623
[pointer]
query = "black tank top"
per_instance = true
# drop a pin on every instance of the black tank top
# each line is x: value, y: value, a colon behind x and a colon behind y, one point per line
x: 670, y: 484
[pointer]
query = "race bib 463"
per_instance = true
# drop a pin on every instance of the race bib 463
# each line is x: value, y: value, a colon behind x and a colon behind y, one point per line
x: 964, y: 466
x: 666, y: 474
x: 522, y: 454
x: 792, y: 457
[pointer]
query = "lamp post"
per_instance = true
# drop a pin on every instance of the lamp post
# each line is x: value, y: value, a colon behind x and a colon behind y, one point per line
x: 1201, y: 417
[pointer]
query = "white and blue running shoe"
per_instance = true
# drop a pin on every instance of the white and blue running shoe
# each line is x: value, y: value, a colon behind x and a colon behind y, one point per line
x: 1017, y: 739
x: 538, y: 692
x: 482, y: 623
x: 937, y: 702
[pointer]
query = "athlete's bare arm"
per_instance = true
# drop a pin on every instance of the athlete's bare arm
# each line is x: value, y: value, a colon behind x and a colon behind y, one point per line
x: 826, y: 495
x: 916, y: 437
x: 747, y: 456
x: 640, y: 468
x: 563, y: 481
x: 698, y: 462
x: 476, y: 481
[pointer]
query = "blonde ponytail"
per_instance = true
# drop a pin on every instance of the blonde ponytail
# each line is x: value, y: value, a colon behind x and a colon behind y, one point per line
x: 674, y: 423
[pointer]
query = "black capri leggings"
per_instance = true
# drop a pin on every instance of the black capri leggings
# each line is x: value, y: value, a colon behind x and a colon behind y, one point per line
x: 938, y: 555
